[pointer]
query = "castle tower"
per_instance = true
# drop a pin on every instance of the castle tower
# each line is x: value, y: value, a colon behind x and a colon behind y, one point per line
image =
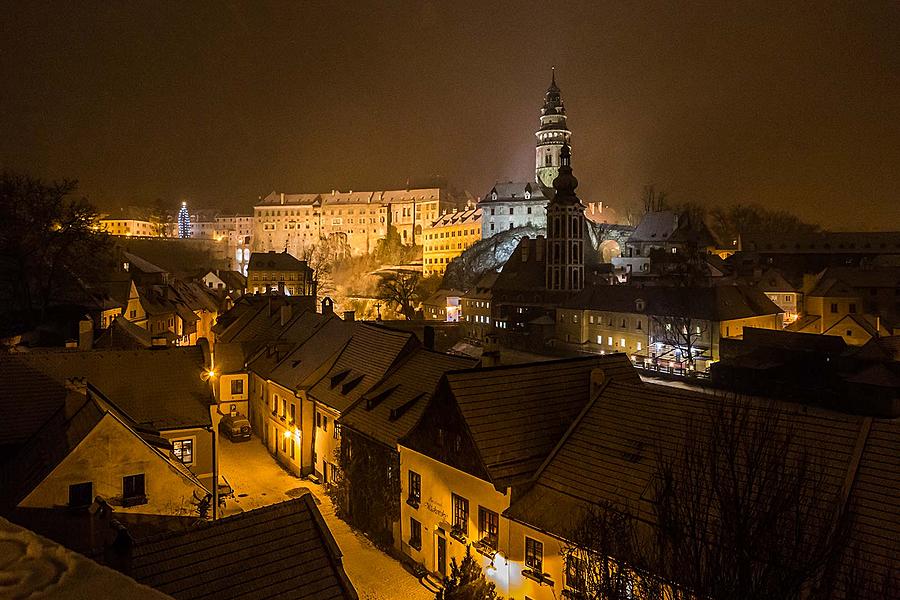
x: 565, y: 231
x: 551, y: 137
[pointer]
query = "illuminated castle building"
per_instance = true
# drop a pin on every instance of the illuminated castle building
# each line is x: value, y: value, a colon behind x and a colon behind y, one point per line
x: 552, y: 135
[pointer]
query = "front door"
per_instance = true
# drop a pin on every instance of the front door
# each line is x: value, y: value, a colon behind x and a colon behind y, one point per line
x: 442, y: 555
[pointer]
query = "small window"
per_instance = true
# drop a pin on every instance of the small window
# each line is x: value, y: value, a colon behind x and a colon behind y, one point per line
x: 184, y: 451
x: 81, y: 494
x: 292, y: 447
x: 324, y: 423
x: 834, y: 307
x: 415, y: 534
x: 488, y: 527
x: 415, y: 487
x: 133, y: 487
x: 237, y: 387
x: 460, y: 514
x: 534, y: 555
x: 337, y: 431
x: 319, y: 420
x: 852, y: 308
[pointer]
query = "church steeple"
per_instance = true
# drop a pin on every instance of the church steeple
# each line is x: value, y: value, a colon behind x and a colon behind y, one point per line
x: 551, y: 136
x: 565, y: 230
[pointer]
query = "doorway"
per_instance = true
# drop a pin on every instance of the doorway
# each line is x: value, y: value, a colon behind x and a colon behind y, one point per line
x: 441, y: 558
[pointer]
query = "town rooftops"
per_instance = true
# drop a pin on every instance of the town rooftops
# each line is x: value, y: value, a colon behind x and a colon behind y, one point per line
x: 515, y: 191
x: 371, y: 351
x: 275, y: 261
x: 389, y: 410
x: 610, y: 456
x: 716, y: 303
x: 460, y: 217
x: 655, y: 227
x: 278, y: 199
x: 516, y: 414
x: 281, y: 551
x: 291, y: 366
x: 158, y: 388
x: 28, y: 398
x: 122, y: 334
x: 62, y: 433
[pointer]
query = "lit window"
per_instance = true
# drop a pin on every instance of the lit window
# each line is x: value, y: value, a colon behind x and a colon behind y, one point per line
x: 488, y: 527
x: 460, y: 514
x: 183, y: 451
x: 415, y: 488
x: 237, y: 387
x: 534, y: 555
x: 415, y: 534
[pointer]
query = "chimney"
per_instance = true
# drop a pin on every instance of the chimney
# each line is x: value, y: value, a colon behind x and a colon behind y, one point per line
x: 85, y: 334
x: 349, y: 315
x: 285, y: 313
x: 490, y: 357
x: 598, y: 378
x: 428, y: 337
x: 282, y: 197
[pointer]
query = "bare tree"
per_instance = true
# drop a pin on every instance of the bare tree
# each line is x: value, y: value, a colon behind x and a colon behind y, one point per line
x: 48, y: 238
x: 400, y: 290
x: 740, y: 510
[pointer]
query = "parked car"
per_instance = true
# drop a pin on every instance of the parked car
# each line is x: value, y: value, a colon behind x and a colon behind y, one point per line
x: 235, y: 427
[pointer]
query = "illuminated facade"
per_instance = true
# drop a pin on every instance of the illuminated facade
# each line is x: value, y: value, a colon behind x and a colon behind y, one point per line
x: 447, y: 237
x: 129, y: 227
x: 551, y: 137
x: 279, y: 271
x: 565, y: 231
x: 510, y: 205
x: 353, y: 222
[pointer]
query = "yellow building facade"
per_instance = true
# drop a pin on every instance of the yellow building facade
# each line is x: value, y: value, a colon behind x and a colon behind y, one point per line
x: 447, y: 237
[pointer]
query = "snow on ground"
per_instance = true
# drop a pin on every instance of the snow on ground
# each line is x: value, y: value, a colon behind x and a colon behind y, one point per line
x: 259, y: 481
x: 33, y: 567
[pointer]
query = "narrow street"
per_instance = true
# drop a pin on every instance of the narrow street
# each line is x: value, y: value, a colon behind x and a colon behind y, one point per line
x: 259, y: 481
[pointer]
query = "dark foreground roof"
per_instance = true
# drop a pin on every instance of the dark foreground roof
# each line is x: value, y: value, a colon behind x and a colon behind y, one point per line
x: 610, y: 454
x: 159, y: 388
x: 280, y: 551
x: 390, y: 409
x: 27, y: 399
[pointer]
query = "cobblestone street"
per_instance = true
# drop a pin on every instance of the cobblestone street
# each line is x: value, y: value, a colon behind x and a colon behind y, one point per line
x: 259, y: 481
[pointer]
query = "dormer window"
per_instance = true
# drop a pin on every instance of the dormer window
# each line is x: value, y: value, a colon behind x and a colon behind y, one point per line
x: 639, y: 305
x: 527, y: 195
x: 493, y: 195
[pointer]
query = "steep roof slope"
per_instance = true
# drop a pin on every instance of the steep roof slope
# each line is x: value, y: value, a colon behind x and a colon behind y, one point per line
x: 28, y: 398
x: 516, y: 414
x: 291, y: 368
x: 363, y: 361
x: 390, y: 409
x: 281, y: 551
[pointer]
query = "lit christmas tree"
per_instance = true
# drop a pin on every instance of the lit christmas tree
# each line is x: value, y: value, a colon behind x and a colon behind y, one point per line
x: 184, y: 222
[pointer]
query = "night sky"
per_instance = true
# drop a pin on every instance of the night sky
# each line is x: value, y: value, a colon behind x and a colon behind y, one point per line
x: 790, y: 106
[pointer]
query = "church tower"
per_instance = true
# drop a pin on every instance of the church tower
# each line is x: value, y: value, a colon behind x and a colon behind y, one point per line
x: 551, y: 137
x: 565, y: 230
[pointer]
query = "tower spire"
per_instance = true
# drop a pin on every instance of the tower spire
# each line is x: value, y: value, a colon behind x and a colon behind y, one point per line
x: 553, y: 75
x: 551, y: 136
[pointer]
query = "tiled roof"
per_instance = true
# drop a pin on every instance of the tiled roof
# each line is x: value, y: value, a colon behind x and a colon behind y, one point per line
x: 279, y: 261
x: 60, y: 436
x: 296, y: 364
x: 516, y: 414
x: 258, y: 319
x: 281, y: 551
x: 514, y: 191
x: 122, y: 334
x: 655, y: 227
x: 159, y: 388
x: 390, y: 409
x: 461, y: 217
x: 142, y: 264
x: 274, y: 199
x: 716, y: 303
x: 361, y: 364
x: 28, y: 398
x: 610, y: 455
x: 50, y: 444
